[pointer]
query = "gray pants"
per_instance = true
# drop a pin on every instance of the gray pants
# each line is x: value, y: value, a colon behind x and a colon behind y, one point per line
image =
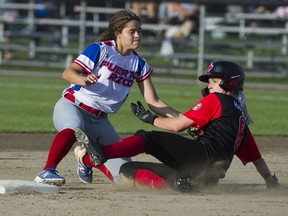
x: 68, y: 115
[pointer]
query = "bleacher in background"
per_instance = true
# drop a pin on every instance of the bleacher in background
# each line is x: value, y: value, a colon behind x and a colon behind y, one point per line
x: 261, y: 49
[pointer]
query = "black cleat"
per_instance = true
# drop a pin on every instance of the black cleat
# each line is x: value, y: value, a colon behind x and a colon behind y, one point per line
x: 185, y: 185
x: 95, y: 151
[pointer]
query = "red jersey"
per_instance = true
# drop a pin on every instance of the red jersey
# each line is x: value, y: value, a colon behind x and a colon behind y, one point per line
x: 223, y: 124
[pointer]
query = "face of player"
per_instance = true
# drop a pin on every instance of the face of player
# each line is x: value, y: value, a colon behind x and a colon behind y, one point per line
x: 214, y: 86
x: 130, y: 37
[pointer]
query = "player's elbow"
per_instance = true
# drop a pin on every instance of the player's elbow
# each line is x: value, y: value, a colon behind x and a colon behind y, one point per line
x: 177, y: 128
x: 180, y: 123
x: 64, y: 75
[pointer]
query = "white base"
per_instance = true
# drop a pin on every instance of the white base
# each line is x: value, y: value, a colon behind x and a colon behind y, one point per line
x: 9, y: 186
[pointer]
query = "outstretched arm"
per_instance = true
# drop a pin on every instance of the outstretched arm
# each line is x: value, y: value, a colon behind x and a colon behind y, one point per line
x: 154, y: 103
x: 74, y: 74
x: 174, y: 124
x: 261, y: 166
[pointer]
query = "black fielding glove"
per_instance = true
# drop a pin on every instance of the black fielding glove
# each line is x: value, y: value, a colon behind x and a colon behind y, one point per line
x: 143, y: 114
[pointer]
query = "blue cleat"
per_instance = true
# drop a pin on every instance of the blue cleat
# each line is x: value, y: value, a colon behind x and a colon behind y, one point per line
x: 50, y: 176
x: 84, y: 172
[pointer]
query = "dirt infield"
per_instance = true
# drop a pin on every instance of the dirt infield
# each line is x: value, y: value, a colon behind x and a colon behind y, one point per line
x: 241, y: 192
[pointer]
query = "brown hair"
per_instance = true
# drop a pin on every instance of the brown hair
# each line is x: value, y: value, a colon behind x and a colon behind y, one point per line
x: 117, y: 24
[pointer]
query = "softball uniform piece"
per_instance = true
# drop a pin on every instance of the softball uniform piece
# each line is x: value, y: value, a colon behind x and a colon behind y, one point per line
x: 117, y: 74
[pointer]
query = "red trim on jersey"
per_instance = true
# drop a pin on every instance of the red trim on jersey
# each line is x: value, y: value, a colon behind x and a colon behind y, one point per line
x: 70, y: 96
x: 249, y: 151
x: 92, y: 110
x: 109, y: 43
x: 205, y: 110
x: 146, y: 76
x: 71, y: 91
x: 82, y: 65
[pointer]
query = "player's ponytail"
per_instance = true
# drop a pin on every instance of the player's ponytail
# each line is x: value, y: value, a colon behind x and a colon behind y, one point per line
x: 105, y: 36
x: 117, y: 24
x: 242, y: 101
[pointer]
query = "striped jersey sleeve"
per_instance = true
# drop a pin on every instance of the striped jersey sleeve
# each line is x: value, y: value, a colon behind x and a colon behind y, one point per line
x: 89, y: 57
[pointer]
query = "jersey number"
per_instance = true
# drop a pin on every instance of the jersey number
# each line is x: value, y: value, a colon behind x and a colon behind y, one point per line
x: 241, y: 133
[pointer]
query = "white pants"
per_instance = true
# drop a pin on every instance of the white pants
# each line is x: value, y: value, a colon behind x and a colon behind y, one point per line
x: 68, y: 115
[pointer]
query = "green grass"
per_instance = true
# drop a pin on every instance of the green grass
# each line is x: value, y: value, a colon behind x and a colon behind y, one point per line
x: 27, y: 104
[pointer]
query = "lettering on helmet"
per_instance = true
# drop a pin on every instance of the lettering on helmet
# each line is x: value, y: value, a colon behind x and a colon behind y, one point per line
x: 210, y: 67
x: 234, y: 81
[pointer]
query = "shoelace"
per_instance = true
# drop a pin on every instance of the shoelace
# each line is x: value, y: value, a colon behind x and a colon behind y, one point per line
x: 98, y: 138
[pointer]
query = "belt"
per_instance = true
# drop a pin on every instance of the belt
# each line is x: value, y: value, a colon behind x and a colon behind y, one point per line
x: 84, y: 106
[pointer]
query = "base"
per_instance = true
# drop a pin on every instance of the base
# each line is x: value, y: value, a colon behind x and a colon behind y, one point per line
x: 10, y: 186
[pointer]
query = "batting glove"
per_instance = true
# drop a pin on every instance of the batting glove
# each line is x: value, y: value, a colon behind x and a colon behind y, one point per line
x: 143, y: 114
x: 194, y: 132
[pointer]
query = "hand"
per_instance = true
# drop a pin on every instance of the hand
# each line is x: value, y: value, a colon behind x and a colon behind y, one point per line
x: 272, y: 182
x: 194, y: 132
x: 91, y: 79
x: 143, y: 114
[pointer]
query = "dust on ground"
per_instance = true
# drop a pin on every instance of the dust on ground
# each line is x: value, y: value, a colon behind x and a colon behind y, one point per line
x: 241, y: 192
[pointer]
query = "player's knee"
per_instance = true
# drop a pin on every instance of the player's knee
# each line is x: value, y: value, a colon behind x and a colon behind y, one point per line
x: 142, y: 133
x: 128, y: 169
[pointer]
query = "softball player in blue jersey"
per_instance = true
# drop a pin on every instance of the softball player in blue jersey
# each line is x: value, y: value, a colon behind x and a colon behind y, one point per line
x: 101, y: 78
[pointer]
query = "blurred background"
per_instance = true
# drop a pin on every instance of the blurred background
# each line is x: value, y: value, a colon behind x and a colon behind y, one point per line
x: 39, y: 39
x: 180, y: 38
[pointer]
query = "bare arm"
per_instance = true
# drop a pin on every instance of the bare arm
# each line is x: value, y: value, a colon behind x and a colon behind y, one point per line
x: 72, y: 74
x: 154, y: 102
x: 270, y: 180
x: 262, y: 167
x: 174, y: 124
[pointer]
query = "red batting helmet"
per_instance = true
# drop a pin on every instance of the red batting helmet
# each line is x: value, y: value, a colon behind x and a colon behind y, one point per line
x: 232, y: 75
